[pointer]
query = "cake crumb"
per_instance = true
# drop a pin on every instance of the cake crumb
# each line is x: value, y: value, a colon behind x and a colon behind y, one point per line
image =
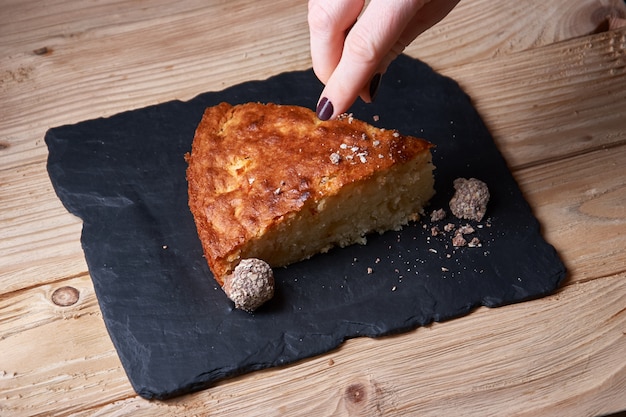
x: 458, y: 240
x: 470, y: 199
x: 437, y: 215
x: 335, y: 158
x: 449, y: 227
x: 466, y: 230
x: 474, y: 243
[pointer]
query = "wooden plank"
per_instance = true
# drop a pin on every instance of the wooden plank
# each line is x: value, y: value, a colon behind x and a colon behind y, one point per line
x: 39, y: 239
x: 465, y: 364
x: 581, y: 204
x: 555, y: 101
x: 47, y: 349
x: 478, y: 30
x: 98, y: 67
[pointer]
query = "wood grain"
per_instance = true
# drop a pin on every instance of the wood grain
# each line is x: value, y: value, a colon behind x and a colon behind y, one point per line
x: 538, y: 104
x: 479, y: 30
x: 581, y: 204
x: 548, y: 79
x: 40, y: 239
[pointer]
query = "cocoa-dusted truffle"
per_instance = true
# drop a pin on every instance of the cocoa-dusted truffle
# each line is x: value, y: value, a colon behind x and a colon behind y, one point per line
x: 470, y: 199
x: 250, y: 285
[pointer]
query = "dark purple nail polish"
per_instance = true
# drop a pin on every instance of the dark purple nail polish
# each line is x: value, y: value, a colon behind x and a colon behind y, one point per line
x: 324, y: 109
x: 374, y: 84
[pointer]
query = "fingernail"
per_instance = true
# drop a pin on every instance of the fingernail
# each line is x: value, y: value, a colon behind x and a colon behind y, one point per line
x: 324, y: 109
x: 374, y: 84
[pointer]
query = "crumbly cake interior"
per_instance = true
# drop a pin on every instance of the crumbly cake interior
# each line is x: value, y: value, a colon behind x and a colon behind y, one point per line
x: 385, y: 201
x: 274, y: 182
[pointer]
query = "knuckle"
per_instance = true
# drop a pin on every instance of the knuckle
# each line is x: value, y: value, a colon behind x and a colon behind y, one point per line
x: 319, y: 17
x: 361, y: 47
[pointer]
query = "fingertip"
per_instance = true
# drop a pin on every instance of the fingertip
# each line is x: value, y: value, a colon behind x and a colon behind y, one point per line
x: 325, y: 109
x: 328, y: 108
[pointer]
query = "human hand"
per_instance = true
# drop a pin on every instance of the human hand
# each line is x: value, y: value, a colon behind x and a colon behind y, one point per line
x: 349, y: 55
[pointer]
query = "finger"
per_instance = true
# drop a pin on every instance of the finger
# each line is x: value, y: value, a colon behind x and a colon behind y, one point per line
x: 368, y: 42
x: 329, y: 22
x: 426, y: 17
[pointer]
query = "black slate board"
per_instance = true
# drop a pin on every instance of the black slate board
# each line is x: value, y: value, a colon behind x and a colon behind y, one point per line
x: 174, y: 329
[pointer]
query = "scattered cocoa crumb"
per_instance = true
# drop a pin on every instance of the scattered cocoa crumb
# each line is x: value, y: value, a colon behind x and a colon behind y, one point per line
x: 376, y: 117
x: 434, y: 231
x: 470, y: 199
x: 449, y: 227
x: 437, y: 215
x: 458, y: 240
x: 474, y: 243
x: 466, y: 229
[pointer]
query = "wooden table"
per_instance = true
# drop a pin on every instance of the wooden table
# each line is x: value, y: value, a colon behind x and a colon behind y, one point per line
x: 549, y: 79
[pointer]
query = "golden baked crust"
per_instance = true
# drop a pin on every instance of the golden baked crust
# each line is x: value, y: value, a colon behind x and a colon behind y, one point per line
x: 254, y: 168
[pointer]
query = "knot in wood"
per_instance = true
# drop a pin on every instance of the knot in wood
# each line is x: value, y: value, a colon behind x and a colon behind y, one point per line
x: 356, y: 393
x: 608, y: 17
x: 65, y: 296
